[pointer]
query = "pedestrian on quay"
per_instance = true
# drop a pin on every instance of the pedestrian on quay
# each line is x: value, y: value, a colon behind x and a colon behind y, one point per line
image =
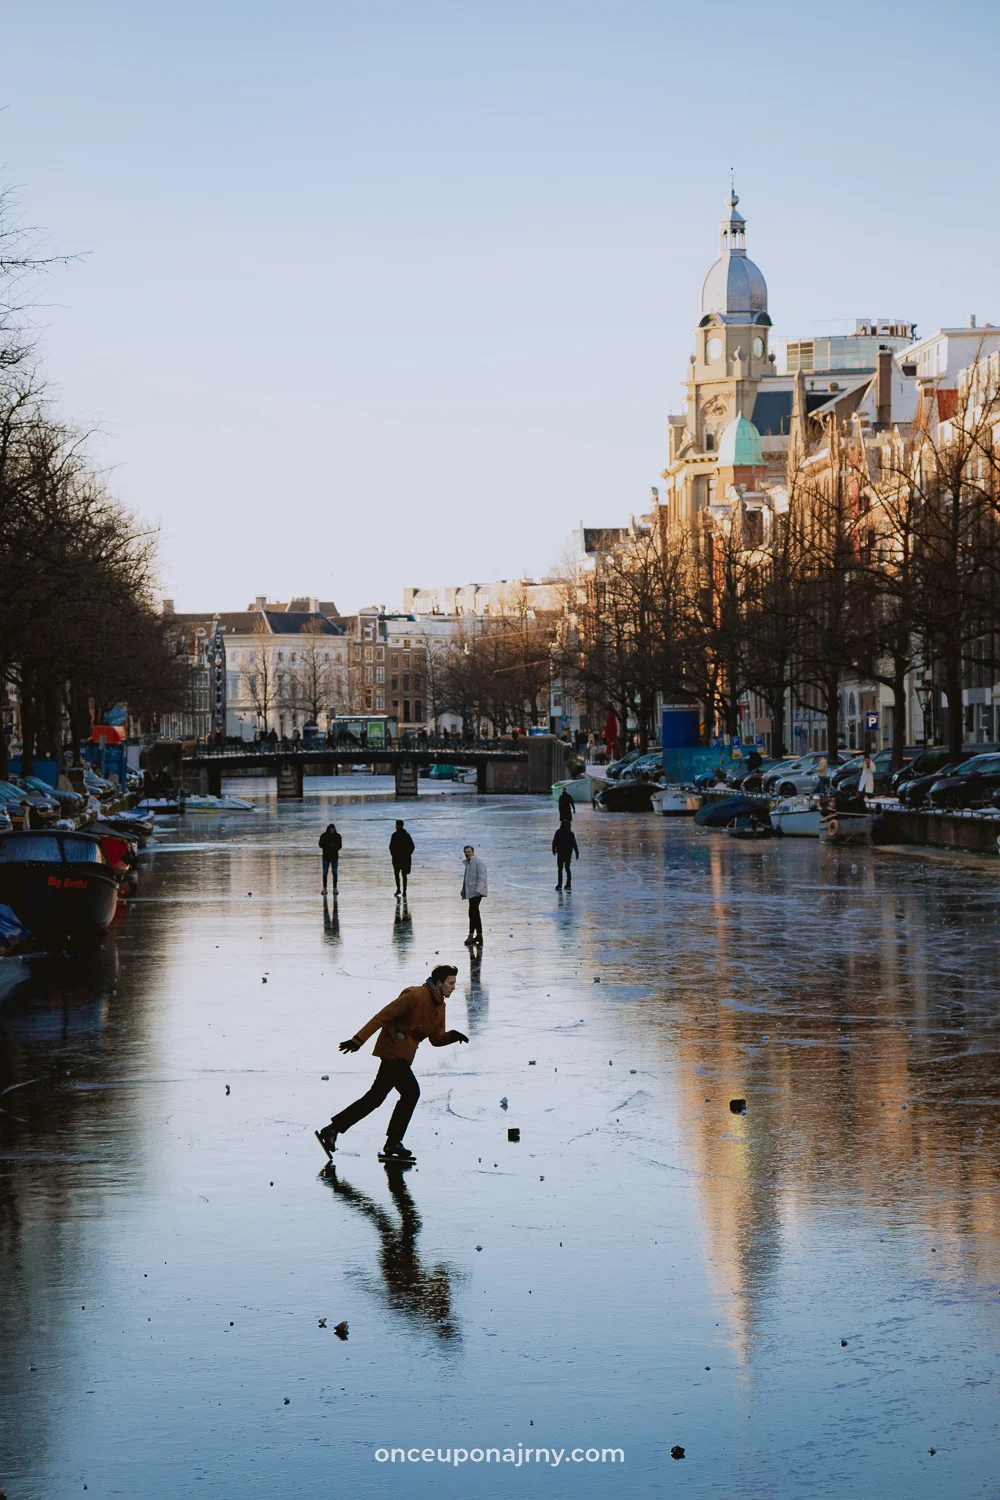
x: 564, y: 846
x: 401, y: 853
x: 416, y: 1015
x: 823, y: 775
x: 330, y: 844
x: 866, y: 781
x: 473, y: 890
x: 567, y: 806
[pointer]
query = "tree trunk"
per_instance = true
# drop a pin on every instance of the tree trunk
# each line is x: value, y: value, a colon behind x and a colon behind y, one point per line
x: 27, y: 735
x: 778, y: 724
x: 832, y: 717
x: 899, y: 716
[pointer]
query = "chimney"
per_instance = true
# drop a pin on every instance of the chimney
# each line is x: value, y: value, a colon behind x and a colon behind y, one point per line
x: 314, y: 606
x: 260, y: 602
x: 167, y: 607
x: 972, y: 320
x: 883, y: 390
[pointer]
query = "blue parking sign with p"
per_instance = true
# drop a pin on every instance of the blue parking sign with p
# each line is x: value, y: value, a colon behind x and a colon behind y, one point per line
x: 871, y: 722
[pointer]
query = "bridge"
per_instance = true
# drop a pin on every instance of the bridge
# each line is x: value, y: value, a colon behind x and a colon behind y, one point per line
x: 523, y: 765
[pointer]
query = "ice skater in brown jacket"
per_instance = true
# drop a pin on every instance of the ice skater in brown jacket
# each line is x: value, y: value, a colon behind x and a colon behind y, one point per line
x: 414, y: 1016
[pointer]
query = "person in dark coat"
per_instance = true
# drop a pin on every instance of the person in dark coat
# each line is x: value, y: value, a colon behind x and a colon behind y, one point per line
x: 567, y: 807
x: 401, y: 853
x: 564, y: 846
x: 330, y: 844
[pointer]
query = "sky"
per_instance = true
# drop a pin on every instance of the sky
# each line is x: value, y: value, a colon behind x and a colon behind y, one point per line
x: 397, y: 292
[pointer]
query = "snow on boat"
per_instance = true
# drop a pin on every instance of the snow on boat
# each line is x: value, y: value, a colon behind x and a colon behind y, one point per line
x: 194, y: 802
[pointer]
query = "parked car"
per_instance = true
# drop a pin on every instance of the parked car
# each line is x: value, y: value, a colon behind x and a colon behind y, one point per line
x: 650, y: 764
x: 741, y: 770
x: 618, y: 767
x: 971, y: 784
x: 846, y: 778
x: 925, y: 763
x: 913, y: 793
x: 27, y: 809
x: 71, y: 803
x: 97, y: 786
x: 792, y: 777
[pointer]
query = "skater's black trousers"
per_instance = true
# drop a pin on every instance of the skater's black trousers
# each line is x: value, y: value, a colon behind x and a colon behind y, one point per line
x: 475, y: 920
x: 395, y: 1074
x: 563, y: 866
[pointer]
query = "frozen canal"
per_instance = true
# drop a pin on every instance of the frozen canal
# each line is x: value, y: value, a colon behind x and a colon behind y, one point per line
x: 804, y: 1298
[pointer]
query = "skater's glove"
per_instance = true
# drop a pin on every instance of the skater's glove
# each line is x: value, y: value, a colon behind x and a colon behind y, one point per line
x: 459, y: 1036
x: 351, y: 1046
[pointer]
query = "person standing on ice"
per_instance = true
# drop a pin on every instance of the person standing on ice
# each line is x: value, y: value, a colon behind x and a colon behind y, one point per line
x: 564, y: 846
x: 474, y: 888
x: 415, y: 1016
x: 401, y: 853
x: 330, y: 844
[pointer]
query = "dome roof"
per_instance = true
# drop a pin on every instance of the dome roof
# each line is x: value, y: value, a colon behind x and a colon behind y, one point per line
x: 734, y: 285
x: 734, y: 288
x: 739, y: 446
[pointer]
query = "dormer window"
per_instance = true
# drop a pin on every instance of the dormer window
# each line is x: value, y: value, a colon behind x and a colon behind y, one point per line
x: 709, y: 441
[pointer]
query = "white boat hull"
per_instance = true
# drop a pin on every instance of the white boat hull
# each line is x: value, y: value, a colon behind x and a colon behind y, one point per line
x: 798, y: 825
x: 675, y: 802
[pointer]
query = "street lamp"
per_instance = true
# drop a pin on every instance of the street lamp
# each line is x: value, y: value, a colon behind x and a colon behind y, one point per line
x: 925, y: 692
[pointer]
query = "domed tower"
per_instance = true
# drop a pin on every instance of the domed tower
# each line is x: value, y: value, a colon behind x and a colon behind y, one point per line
x: 731, y: 352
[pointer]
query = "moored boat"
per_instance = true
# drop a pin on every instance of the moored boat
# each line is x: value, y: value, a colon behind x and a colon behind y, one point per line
x: 676, y: 802
x: 846, y: 828
x: 195, y: 802
x: 60, y: 885
x: 796, y: 817
x: 751, y: 826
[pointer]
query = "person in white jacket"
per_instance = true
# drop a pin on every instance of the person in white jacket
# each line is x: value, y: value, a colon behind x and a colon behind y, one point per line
x: 473, y: 890
x: 866, y: 781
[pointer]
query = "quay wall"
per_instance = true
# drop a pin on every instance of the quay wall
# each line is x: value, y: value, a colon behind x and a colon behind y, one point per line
x: 941, y: 830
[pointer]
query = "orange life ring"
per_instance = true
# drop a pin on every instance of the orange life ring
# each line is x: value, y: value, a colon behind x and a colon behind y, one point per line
x: 832, y: 828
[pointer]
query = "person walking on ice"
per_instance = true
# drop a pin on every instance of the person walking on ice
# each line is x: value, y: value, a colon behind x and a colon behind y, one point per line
x: 567, y: 806
x: 400, y: 852
x: 564, y: 846
x: 330, y: 844
x: 415, y: 1016
x: 473, y: 890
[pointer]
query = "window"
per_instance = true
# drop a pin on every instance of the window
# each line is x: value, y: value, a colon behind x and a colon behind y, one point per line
x: 368, y: 674
x: 368, y: 653
x: 380, y: 700
x: 395, y: 682
x: 406, y: 709
x: 418, y: 711
x: 395, y: 659
x: 406, y: 682
x: 380, y: 654
x: 380, y: 674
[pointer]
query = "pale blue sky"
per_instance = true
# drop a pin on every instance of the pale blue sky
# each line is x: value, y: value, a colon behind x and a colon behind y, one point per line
x: 381, y: 293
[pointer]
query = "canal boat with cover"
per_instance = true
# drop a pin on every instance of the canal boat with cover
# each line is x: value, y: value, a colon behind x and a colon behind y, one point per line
x: 60, y: 885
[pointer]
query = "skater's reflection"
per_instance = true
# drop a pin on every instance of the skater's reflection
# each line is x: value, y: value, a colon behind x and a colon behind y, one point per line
x: 477, y: 996
x: 402, y: 929
x: 331, y: 921
x: 418, y: 1293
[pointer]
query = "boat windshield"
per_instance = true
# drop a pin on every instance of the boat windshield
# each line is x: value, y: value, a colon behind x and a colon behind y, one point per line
x: 18, y: 851
x: 83, y: 852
